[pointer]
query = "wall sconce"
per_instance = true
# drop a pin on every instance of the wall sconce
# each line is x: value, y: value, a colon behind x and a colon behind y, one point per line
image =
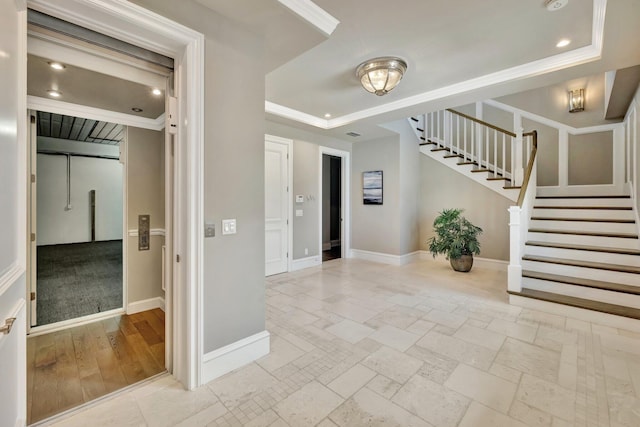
x: 576, y: 100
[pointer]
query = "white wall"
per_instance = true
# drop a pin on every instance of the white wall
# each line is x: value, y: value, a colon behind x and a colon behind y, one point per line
x: 55, y: 223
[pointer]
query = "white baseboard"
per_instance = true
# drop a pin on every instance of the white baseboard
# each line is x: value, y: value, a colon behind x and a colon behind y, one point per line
x: 144, y: 305
x: 385, y: 258
x: 302, y: 263
x: 605, y: 319
x: 488, y: 263
x: 234, y: 356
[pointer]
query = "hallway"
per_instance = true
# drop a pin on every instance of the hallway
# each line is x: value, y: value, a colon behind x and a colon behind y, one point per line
x: 357, y: 343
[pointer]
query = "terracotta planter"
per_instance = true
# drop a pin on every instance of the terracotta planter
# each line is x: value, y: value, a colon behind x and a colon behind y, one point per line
x: 462, y: 264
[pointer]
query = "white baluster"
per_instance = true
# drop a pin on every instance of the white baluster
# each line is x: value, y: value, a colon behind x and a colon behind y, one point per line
x: 495, y: 152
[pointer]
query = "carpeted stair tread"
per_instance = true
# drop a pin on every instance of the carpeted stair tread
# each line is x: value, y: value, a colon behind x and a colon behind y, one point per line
x: 586, y: 264
x: 602, y: 307
x: 588, y: 283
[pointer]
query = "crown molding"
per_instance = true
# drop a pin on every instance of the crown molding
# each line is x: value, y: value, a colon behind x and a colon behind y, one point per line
x: 542, y: 66
x: 312, y: 13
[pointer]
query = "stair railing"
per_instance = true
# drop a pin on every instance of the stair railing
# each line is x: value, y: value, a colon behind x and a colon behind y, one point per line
x: 502, y: 153
x: 519, y: 216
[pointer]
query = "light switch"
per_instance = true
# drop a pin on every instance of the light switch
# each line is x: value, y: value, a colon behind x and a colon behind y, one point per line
x: 229, y: 226
x: 298, y: 212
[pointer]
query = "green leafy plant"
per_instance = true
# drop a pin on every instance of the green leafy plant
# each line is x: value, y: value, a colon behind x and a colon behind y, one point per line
x: 455, y: 235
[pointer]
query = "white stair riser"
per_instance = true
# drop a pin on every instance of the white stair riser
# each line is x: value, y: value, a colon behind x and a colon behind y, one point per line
x: 601, y: 227
x: 608, y: 242
x: 584, y: 213
x: 582, y: 272
x: 609, y: 258
x: 618, y: 298
x: 626, y: 202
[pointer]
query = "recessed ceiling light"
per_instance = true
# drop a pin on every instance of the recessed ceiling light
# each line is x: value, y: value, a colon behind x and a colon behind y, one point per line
x: 327, y: 116
x: 563, y: 43
x: 136, y: 110
x: 156, y: 92
x: 553, y: 5
x: 57, y: 66
x: 54, y: 93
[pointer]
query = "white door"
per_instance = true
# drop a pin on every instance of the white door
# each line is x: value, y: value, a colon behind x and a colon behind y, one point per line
x: 13, y: 357
x: 276, y: 181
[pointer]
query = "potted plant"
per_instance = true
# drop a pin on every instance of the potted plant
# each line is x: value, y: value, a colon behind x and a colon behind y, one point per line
x: 456, y: 237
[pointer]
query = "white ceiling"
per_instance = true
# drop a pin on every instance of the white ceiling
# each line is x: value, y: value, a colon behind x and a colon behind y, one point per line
x: 457, y: 51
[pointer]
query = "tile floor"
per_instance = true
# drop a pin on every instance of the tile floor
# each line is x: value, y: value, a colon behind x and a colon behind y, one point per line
x: 355, y: 343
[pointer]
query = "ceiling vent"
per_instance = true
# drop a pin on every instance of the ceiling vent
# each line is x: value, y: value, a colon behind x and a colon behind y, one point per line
x: 353, y: 134
x: 553, y: 5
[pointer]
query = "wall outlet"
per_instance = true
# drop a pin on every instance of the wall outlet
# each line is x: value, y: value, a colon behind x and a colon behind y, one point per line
x: 306, y: 251
x: 299, y: 212
x: 209, y: 229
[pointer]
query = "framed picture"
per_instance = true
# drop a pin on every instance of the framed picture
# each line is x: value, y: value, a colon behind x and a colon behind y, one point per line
x: 372, y: 187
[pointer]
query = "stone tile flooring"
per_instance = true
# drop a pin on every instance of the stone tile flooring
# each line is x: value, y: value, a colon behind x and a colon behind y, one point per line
x: 355, y: 343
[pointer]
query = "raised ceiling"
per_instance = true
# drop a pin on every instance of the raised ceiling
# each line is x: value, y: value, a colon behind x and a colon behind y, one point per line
x: 457, y: 52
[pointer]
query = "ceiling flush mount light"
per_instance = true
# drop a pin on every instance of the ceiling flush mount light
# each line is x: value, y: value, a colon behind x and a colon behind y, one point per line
x: 156, y: 92
x: 54, y: 93
x: 327, y: 116
x: 57, y: 66
x: 136, y: 110
x: 381, y: 75
x: 563, y: 43
x: 553, y: 5
x: 576, y: 100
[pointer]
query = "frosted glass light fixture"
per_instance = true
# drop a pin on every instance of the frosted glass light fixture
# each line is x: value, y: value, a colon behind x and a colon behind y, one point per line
x: 576, y: 100
x: 381, y: 75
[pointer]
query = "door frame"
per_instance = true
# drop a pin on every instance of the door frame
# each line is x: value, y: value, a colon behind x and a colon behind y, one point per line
x: 141, y: 27
x: 345, y: 199
x: 289, y: 144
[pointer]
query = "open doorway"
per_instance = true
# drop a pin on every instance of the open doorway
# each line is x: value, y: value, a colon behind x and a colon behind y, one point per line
x: 97, y: 260
x: 331, y: 207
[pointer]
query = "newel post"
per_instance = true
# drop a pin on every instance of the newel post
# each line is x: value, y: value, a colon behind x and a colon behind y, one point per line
x: 514, y: 271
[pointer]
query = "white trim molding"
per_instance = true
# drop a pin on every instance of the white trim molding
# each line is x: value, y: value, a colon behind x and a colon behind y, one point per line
x: 488, y: 263
x: 82, y: 111
x: 313, y: 14
x: 557, y: 62
x: 145, y: 305
x: 385, y: 258
x: 234, y: 356
x: 10, y: 276
x: 308, y: 262
x: 59, y: 326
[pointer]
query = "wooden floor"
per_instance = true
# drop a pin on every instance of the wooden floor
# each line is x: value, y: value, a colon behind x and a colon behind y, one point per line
x: 68, y: 368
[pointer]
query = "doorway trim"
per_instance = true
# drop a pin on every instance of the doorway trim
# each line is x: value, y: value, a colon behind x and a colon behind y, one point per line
x: 345, y: 199
x: 139, y: 26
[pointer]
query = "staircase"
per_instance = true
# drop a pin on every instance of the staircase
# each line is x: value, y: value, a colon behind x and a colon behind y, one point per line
x: 487, y: 154
x: 577, y: 250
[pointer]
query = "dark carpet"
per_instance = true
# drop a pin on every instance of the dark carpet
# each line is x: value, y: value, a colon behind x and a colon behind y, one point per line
x: 78, y: 279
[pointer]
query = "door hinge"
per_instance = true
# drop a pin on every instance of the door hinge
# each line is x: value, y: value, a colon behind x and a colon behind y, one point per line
x: 33, y: 119
x: 33, y: 178
x: 33, y: 237
x: 177, y: 258
x: 33, y: 296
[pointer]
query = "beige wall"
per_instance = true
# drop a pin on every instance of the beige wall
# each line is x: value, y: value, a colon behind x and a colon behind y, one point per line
x: 233, y: 276
x: 377, y: 228
x: 145, y: 196
x: 547, y: 156
x: 444, y: 188
x: 591, y: 159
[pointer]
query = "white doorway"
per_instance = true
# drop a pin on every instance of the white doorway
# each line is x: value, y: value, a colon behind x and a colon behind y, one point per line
x: 278, y: 204
x: 344, y: 215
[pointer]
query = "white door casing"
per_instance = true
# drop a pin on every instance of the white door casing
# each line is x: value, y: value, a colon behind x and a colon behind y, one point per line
x: 32, y: 272
x: 131, y: 23
x: 13, y: 221
x: 345, y: 199
x: 277, y: 204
